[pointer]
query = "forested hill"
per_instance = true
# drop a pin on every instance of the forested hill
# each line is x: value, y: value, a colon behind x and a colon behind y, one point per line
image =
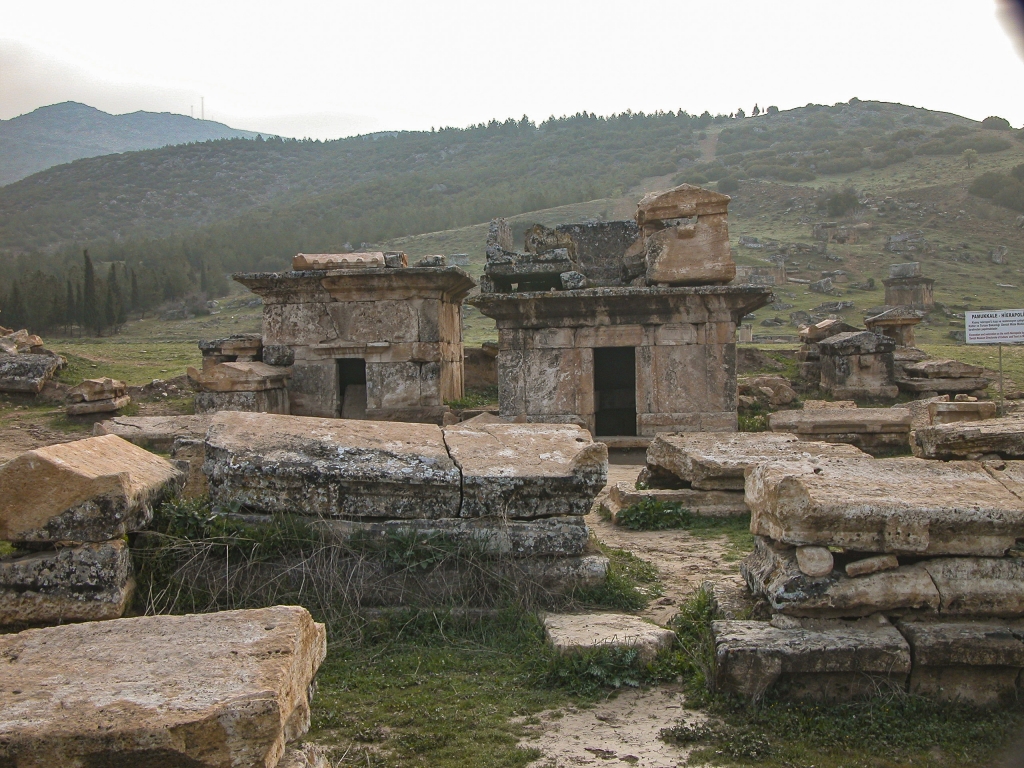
x: 176, y: 219
x: 65, y: 132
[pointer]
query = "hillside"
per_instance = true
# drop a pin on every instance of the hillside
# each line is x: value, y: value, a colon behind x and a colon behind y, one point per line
x: 177, y: 216
x: 62, y: 133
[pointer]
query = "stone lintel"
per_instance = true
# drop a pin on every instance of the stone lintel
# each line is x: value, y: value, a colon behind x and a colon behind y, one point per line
x: 445, y: 283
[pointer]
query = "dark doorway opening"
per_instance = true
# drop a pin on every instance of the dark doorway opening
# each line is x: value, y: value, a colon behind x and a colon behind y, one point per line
x: 615, y: 391
x: 352, y: 387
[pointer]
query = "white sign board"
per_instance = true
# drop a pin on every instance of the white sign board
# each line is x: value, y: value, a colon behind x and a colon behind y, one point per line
x: 1002, y: 326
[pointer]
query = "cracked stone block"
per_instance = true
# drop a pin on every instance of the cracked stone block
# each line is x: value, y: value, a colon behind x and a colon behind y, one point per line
x: 978, y: 586
x: 975, y: 662
x: 331, y: 467
x: 891, y: 506
x: 155, y: 433
x: 95, y: 489
x: 525, y: 471
x: 718, y: 461
x: 819, y: 660
x: 968, y: 440
x: 212, y: 690
x: 27, y: 372
x: 92, y: 582
x: 704, y: 503
x: 573, y: 633
x: 772, y: 570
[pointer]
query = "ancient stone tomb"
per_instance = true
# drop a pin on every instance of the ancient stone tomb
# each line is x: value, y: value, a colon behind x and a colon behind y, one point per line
x: 357, y: 336
x: 627, y: 329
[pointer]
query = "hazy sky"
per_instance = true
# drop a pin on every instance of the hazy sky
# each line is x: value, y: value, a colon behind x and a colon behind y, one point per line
x: 328, y: 69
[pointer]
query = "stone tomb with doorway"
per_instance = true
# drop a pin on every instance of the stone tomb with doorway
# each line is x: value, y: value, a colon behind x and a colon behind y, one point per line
x: 627, y: 329
x: 367, y: 338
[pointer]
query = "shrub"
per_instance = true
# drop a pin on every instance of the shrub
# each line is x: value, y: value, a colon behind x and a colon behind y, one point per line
x: 994, y: 123
x: 989, y: 184
x: 772, y: 110
x: 728, y: 184
x: 842, y: 202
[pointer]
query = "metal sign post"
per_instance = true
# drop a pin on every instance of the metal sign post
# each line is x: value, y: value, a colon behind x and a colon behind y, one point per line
x: 997, y: 326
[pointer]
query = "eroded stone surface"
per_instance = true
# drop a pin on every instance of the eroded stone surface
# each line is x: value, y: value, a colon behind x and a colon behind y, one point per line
x: 771, y: 570
x: 331, y: 467
x: 814, y: 561
x: 155, y: 433
x: 520, y: 471
x: 1003, y: 436
x: 27, y: 372
x: 978, y: 586
x: 826, y: 421
x: 718, y: 461
x: 872, y: 565
x: 705, y: 503
x: 220, y: 690
x: 91, y: 582
x: 576, y: 632
x: 90, y: 390
x: 823, y: 660
x: 95, y: 489
x: 895, y: 506
x: 110, y: 405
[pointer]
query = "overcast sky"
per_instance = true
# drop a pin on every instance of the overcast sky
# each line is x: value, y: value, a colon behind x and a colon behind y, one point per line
x: 328, y: 69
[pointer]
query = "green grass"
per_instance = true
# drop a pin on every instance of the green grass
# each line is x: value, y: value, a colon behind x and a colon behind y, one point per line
x: 651, y: 515
x: 476, y: 398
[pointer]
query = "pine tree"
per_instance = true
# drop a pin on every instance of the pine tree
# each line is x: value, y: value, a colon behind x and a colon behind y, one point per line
x: 92, y: 317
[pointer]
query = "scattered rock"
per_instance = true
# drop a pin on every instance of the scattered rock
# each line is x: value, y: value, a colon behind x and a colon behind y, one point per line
x: 814, y: 561
x: 871, y: 565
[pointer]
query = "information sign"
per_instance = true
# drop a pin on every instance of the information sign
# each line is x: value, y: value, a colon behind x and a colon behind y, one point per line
x: 998, y: 326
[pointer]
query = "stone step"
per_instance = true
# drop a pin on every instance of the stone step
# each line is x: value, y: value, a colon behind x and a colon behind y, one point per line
x: 205, y: 690
x: 703, y: 503
x: 579, y: 632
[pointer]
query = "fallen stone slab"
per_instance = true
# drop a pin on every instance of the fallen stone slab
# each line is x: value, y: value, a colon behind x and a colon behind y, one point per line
x: 978, y: 586
x: 826, y: 405
x: 87, y: 583
x: 873, y: 430
x: 893, y: 506
x: 949, y: 386
x: 155, y: 433
x: 85, y: 407
x: 489, y: 536
x: 97, y: 389
x: 772, y: 571
x: 718, y: 461
x: 578, y: 632
x: 95, y: 489
x: 331, y: 467
x: 27, y: 372
x: 1002, y: 436
x: 975, y: 662
x: 819, y: 660
x: 216, y: 690
x: 950, y: 413
x: 943, y: 369
x: 524, y: 471
x: 704, y: 503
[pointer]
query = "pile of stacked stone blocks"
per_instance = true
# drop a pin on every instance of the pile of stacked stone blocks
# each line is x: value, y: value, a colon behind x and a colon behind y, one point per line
x: 361, y: 336
x: 899, y: 572
x: 516, y: 493
x: 237, y: 375
x: 66, y: 509
x: 25, y: 364
x: 104, y: 395
x: 625, y: 328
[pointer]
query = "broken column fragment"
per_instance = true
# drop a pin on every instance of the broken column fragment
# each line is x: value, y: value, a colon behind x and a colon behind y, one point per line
x: 684, y: 236
x: 204, y: 690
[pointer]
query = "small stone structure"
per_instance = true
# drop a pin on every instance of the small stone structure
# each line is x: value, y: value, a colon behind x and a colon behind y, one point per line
x: 896, y: 323
x: 204, y: 690
x: 66, y: 508
x: 808, y: 355
x: 513, y: 493
x: 625, y: 328
x: 362, y: 336
x: 858, y: 364
x: 104, y: 395
x: 905, y: 286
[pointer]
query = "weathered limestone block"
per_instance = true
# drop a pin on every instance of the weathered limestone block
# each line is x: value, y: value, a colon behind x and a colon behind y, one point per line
x: 975, y: 662
x: 91, y: 390
x: 718, y: 461
x: 265, y: 401
x: 241, y: 377
x: 820, y: 660
x: 691, y: 254
x: 684, y: 201
x: 950, y: 413
x: 771, y: 570
x: 894, y: 506
x: 331, y: 467
x: 216, y: 690
x: 872, y: 564
x: 85, y: 407
x: 524, y: 471
x: 949, y: 386
x: 544, y: 537
x: 371, y: 260
x: 943, y: 369
x: 155, y: 433
x: 91, y: 582
x: 979, y: 586
x: 95, y: 489
x: 704, y: 503
x: 858, y: 364
x: 193, y: 451
x: 1003, y: 436
x: 576, y: 632
x: 27, y: 372
x: 870, y: 429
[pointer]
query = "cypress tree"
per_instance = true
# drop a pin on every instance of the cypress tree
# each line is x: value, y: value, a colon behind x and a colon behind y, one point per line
x: 70, y: 307
x: 136, y: 301
x: 92, y: 317
x: 14, y: 308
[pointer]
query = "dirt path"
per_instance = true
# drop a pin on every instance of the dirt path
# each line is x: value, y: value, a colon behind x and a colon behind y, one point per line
x: 623, y: 729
